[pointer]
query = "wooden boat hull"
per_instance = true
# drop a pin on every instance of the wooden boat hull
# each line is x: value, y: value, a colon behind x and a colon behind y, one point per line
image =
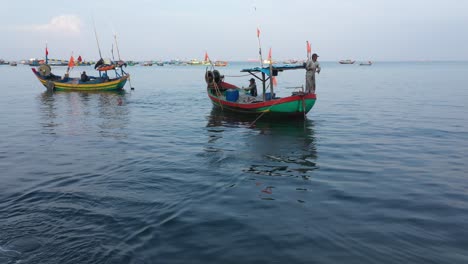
x: 346, y: 62
x: 294, y: 105
x: 74, y: 84
x: 221, y: 63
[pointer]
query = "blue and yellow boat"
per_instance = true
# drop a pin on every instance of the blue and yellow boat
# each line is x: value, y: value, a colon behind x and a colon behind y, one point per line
x: 91, y: 83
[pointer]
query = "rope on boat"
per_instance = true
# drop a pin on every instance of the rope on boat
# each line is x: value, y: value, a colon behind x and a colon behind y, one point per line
x: 218, y: 92
x: 264, y: 112
x: 268, y: 110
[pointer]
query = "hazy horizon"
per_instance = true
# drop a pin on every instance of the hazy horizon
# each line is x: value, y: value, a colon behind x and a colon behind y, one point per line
x: 154, y: 30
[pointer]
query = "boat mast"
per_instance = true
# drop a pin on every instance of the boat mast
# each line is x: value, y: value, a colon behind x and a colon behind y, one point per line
x: 117, y: 46
x: 271, y: 79
x: 270, y: 60
x: 97, y: 40
x: 261, y: 62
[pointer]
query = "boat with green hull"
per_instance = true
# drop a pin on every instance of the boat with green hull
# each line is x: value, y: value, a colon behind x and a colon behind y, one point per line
x: 227, y: 96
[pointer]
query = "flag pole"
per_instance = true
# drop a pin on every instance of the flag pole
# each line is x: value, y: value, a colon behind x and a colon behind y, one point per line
x: 117, y: 46
x: 271, y: 74
x: 259, y: 47
x: 46, y: 54
x: 261, y: 62
x: 97, y: 40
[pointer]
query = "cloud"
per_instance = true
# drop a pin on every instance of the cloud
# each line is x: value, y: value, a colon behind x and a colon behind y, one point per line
x: 68, y: 24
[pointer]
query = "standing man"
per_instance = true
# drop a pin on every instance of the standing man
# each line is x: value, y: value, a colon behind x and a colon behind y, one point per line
x: 311, y: 66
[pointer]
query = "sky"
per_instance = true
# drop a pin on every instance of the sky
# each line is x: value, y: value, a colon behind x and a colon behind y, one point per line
x: 377, y: 30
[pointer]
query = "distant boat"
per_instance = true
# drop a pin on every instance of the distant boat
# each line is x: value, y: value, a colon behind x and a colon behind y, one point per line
x: 291, y: 61
x: 36, y: 62
x: 198, y: 62
x: 369, y: 63
x: 221, y: 63
x: 347, y: 61
x: 132, y: 63
x: 13, y: 63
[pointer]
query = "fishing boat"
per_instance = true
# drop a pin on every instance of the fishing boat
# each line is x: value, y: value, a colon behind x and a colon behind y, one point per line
x: 368, y: 63
x: 85, y: 83
x: 347, y: 61
x: 99, y: 83
x: 221, y: 63
x: 227, y: 96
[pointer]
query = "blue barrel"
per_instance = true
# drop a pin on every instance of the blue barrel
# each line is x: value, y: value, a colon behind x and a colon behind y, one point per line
x: 268, y: 96
x: 232, y: 95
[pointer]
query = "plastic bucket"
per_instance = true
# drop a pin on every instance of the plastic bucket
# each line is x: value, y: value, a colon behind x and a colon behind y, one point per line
x: 232, y: 95
x: 268, y: 96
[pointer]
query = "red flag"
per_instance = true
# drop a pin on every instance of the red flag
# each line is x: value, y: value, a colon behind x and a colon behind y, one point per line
x: 309, y: 49
x: 71, y: 63
x: 206, y: 56
x: 258, y: 32
x: 46, y: 51
x: 79, y: 59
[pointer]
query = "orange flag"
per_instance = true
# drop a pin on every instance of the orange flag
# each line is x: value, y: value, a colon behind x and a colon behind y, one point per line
x: 258, y: 32
x: 309, y: 49
x: 71, y: 63
x: 269, y: 55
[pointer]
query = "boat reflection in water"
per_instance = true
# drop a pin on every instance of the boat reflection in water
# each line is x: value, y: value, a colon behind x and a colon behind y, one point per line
x: 76, y: 113
x: 268, y: 147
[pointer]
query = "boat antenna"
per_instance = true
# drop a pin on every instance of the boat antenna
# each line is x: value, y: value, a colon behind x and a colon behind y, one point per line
x: 97, y: 40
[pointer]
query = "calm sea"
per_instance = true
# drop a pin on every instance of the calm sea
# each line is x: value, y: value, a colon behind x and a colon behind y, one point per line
x: 377, y: 173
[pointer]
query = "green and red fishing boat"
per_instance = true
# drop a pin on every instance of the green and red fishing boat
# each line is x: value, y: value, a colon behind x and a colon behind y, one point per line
x: 230, y: 97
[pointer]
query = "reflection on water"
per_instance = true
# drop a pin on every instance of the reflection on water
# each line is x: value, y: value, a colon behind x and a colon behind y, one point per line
x: 273, y: 147
x: 79, y: 113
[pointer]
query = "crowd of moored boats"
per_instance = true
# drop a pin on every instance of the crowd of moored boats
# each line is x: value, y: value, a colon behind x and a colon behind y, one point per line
x: 193, y: 62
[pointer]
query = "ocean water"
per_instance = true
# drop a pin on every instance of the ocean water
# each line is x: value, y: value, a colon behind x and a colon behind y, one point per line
x: 377, y: 173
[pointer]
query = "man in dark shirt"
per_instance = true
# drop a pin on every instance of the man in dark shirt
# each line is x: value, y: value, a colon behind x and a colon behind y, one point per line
x: 252, y: 87
x: 84, y: 77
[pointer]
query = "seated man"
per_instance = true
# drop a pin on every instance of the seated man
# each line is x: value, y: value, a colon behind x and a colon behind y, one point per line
x: 65, y: 77
x: 105, y: 76
x: 84, y: 77
x: 252, y: 87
